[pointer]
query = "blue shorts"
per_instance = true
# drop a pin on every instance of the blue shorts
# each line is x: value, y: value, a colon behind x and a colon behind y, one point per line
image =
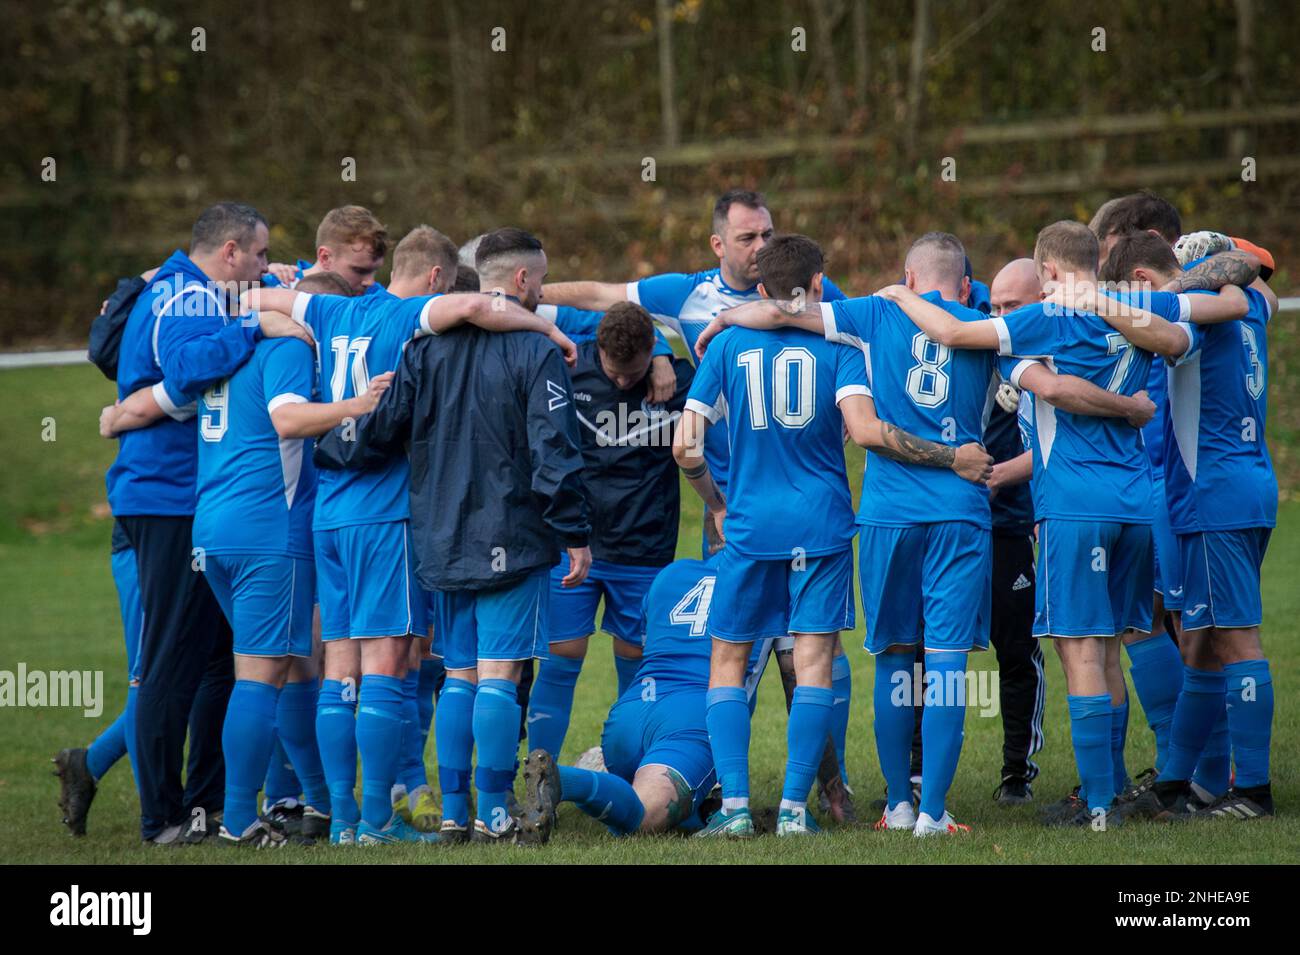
x: 926, y: 582
x: 126, y: 577
x: 504, y: 624
x: 1221, y: 577
x: 267, y: 601
x: 1095, y: 578
x: 1169, y: 562
x: 753, y: 599
x: 664, y: 729
x: 367, y: 585
x: 573, y: 610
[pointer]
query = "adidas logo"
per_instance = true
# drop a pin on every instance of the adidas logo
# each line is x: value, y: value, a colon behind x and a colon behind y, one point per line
x: 1021, y: 583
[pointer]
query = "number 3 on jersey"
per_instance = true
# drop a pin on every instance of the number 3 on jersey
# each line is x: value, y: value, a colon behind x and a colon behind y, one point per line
x: 346, y: 351
x: 799, y: 362
x: 693, y: 608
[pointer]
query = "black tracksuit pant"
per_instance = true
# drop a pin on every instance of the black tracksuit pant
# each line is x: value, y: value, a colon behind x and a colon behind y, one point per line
x: 186, y: 672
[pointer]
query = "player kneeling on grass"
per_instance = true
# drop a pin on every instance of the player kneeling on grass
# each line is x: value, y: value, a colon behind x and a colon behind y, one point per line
x: 656, y: 740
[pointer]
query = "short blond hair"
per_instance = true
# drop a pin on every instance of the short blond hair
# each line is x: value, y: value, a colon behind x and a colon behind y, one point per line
x: 347, y: 226
x: 421, y: 249
x: 1069, y: 244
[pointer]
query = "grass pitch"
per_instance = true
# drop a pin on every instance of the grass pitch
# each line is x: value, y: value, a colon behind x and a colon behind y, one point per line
x: 59, y: 612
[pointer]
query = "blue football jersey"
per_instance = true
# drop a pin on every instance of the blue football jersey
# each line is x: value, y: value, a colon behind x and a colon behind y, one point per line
x: 932, y: 391
x: 358, y: 338
x: 676, y: 650
x: 687, y: 302
x: 1085, y: 468
x: 1218, y: 473
x: 255, y: 489
x: 779, y: 391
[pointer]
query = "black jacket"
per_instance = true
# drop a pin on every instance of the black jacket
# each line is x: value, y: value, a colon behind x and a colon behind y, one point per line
x: 496, y: 468
x: 631, y: 476
x: 1012, y: 507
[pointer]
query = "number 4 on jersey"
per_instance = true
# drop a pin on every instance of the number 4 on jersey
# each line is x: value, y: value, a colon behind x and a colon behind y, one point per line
x: 693, y: 608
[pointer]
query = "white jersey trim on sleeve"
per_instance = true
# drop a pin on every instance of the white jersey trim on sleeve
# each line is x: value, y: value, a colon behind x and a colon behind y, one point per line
x: 288, y: 398
x: 1020, y: 369
x: 300, y: 302
x: 1184, y: 307
x: 832, y: 330
x: 633, y: 293
x: 699, y: 407
x: 849, y: 391
x: 424, y: 318
x: 169, y: 407
x: 1191, y: 342
x: 1004, y: 335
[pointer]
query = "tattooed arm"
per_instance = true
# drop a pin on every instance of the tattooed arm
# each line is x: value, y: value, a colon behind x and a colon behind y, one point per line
x: 1235, y: 267
x: 970, y: 461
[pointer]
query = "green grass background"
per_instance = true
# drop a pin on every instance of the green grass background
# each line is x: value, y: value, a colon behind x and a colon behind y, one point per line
x: 58, y: 610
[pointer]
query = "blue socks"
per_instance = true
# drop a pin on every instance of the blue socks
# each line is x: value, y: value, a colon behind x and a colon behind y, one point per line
x: 281, y: 781
x: 336, y: 735
x: 454, y: 737
x: 1118, y: 736
x: 810, y: 721
x: 411, y: 772
x: 943, y: 727
x: 1214, y: 768
x: 626, y: 670
x: 1090, y: 731
x: 115, y: 742
x: 895, y: 722
x: 295, y: 720
x: 246, y: 744
x: 379, y: 740
x: 432, y: 674
x: 496, y: 734
x: 1157, y: 670
x: 1198, y: 707
x: 842, y: 686
x: 727, y: 718
x: 604, y: 796
x: 1249, y: 692
x: 551, y: 702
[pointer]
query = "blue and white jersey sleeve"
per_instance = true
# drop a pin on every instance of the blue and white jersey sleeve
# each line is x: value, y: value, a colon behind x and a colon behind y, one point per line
x: 195, y: 346
x: 850, y: 374
x: 175, y: 404
x: 664, y: 295
x: 706, y: 394
x: 320, y: 313
x: 1170, y: 307
x: 1011, y: 368
x: 288, y: 375
x: 852, y: 321
x: 1195, y: 339
x: 1029, y: 332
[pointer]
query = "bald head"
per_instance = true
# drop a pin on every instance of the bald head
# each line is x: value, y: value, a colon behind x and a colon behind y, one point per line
x: 936, y: 262
x: 1015, y: 285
